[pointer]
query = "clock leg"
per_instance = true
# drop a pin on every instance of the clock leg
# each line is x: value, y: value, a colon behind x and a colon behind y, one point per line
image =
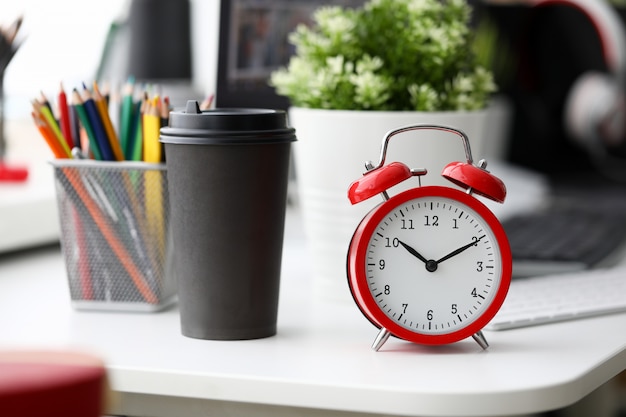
x: 381, y: 338
x: 479, y: 337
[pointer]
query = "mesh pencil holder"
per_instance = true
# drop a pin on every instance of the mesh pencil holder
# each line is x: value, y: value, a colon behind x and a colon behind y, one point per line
x: 114, y: 219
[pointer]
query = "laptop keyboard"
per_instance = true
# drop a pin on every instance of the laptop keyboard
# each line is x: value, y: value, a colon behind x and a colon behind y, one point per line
x: 560, y: 240
x: 568, y: 260
x: 554, y: 298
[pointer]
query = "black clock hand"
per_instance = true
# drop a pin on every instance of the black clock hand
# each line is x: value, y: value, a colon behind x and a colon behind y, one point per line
x: 459, y: 250
x: 413, y: 251
x: 431, y: 265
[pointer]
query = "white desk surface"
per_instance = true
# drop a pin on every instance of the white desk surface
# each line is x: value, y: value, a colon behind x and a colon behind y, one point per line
x: 28, y: 210
x: 319, y: 363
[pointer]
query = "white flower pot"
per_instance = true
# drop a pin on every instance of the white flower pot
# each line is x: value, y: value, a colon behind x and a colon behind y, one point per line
x: 330, y: 153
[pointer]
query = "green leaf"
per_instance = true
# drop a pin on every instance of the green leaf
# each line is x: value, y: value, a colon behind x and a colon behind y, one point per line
x: 387, y: 55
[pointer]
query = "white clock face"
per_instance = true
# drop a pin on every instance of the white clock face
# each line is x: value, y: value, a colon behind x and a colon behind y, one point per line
x: 433, y: 265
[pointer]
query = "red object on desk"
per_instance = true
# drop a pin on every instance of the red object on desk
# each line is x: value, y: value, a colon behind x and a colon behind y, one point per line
x: 51, y: 383
x: 12, y: 173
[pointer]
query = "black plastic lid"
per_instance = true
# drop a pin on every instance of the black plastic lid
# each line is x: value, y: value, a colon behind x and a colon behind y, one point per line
x: 227, y: 126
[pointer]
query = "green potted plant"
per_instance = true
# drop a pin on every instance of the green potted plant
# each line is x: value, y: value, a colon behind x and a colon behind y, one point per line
x: 358, y: 73
x: 387, y: 55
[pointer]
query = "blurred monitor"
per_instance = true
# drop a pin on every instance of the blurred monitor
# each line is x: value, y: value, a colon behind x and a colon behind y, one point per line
x: 253, y: 42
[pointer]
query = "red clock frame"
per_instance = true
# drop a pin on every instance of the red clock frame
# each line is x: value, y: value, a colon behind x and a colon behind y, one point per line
x: 357, y: 274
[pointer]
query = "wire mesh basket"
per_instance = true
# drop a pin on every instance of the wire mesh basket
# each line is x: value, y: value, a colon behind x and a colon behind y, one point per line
x: 115, y: 239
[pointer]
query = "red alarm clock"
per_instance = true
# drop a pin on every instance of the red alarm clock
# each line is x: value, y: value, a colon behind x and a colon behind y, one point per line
x: 432, y: 264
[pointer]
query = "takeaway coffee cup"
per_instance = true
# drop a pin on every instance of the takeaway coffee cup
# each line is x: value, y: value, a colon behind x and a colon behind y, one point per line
x: 227, y: 173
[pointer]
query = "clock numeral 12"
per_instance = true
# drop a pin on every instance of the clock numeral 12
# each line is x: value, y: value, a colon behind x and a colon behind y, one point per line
x: 432, y: 221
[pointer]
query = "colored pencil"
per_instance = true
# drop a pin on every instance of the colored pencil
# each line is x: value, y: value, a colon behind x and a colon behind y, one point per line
x: 84, y: 269
x: 64, y: 117
x: 44, y: 110
x: 127, y: 113
x: 97, y: 125
x: 74, y: 126
x: 77, y: 103
x: 83, y: 197
x: 151, y: 124
x: 51, y: 139
x: 151, y: 130
x: 103, y: 111
x: 137, y: 141
x: 136, y: 209
x: 43, y: 100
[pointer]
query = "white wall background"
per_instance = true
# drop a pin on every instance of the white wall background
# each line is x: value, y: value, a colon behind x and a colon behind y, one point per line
x: 62, y: 41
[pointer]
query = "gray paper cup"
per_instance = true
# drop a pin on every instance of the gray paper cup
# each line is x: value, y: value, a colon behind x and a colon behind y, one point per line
x: 227, y: 175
